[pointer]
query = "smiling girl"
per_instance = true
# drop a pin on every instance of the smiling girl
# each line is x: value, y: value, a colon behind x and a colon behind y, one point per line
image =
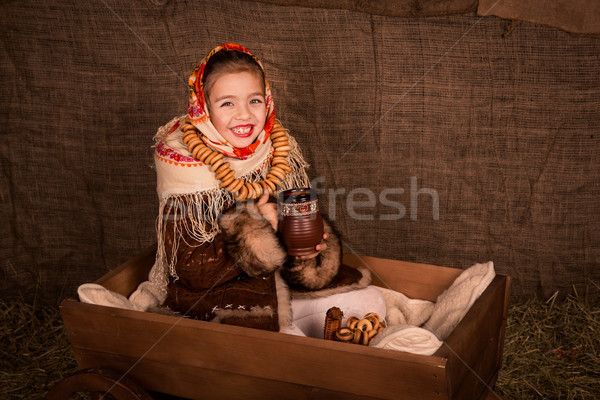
x: 219, y: 256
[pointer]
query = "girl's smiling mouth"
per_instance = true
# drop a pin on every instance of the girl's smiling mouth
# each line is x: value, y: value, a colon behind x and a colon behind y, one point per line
x: 242, y: 131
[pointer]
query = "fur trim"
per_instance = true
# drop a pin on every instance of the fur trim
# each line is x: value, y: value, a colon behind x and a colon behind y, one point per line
x: 318, y: 272
x: 251, y: 240
x: 364, y: 281
x: 165, y: 311
x: 284, y: 303
x: 221, y: 314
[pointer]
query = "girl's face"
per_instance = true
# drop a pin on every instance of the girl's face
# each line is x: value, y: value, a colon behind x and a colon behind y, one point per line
x: 237, y: 107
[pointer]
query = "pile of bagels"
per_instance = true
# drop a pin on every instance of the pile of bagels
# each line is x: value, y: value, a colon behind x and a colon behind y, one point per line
x: 360, y: 331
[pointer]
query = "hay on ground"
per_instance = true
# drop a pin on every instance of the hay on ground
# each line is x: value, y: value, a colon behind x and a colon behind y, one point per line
x: 35, y: 351
x: 552, y: 350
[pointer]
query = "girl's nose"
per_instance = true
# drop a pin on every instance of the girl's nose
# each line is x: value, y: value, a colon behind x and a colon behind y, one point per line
x: 243, y: 111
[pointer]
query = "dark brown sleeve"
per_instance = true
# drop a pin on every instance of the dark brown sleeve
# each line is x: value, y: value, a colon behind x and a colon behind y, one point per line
x: 200, y: 266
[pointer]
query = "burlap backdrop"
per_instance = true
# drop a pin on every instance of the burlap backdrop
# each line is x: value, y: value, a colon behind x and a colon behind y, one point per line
x: 464, y: 145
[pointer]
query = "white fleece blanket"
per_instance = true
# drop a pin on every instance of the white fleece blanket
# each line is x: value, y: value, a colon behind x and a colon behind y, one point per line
x: 402, y: 310
x: 408, y: 338
x: 452, y: 305
x: 148, y: 295
x: 93, y: 293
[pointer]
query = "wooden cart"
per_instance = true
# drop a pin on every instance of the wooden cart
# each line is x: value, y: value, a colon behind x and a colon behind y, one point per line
x: 124, y: 350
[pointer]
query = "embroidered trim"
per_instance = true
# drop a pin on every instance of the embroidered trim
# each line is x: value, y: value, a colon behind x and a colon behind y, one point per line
x: 299, y: 209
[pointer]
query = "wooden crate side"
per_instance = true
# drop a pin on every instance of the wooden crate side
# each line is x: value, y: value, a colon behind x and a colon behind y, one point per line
x: 417, y: 281
x: 182, y: 343
x: 195, y: 382
x: 472, y: 348
x: 125, y: 278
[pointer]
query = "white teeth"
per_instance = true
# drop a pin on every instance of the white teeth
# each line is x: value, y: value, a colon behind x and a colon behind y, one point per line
x: 241, y: 131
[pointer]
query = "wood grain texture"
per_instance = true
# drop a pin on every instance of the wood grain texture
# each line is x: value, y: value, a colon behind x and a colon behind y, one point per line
x: 200, y: 359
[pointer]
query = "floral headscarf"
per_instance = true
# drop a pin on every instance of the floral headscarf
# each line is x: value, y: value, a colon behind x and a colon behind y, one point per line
x: 199, y: 115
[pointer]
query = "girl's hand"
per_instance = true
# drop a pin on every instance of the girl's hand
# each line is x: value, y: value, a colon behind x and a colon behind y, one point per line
x: 268, y: 210
x: 320, y: 247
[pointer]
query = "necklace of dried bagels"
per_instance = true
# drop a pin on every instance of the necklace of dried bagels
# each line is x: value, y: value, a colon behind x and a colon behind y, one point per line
x: 238, y: 186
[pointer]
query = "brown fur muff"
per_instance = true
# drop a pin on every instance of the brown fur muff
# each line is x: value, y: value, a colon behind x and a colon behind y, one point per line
x: 251, y: 240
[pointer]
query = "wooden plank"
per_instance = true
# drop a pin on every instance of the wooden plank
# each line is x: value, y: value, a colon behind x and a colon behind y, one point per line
x: 417, y: 281
x: 194, y: 382
x: 125, y: 278
x: 472, y: 348
x: 179, y: 343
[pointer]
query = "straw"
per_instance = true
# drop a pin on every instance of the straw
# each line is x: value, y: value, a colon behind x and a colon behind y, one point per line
x: 35, y: 351
x: 552, y: 350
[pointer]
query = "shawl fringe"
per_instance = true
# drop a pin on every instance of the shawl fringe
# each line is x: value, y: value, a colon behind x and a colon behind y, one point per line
x: 197, y: 213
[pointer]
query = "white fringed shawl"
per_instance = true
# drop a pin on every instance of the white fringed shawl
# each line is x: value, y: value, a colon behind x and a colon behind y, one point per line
x: 188, y: 190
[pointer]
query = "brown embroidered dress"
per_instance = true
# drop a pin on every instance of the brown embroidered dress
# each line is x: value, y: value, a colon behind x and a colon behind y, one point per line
x: 212, y: 286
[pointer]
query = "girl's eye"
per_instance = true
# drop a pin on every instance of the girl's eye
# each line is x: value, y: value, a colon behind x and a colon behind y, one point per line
x: 256, y: 101
x: 226, y: 104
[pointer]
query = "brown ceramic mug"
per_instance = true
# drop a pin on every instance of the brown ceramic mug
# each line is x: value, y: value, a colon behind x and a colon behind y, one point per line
x: 300, y: 223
